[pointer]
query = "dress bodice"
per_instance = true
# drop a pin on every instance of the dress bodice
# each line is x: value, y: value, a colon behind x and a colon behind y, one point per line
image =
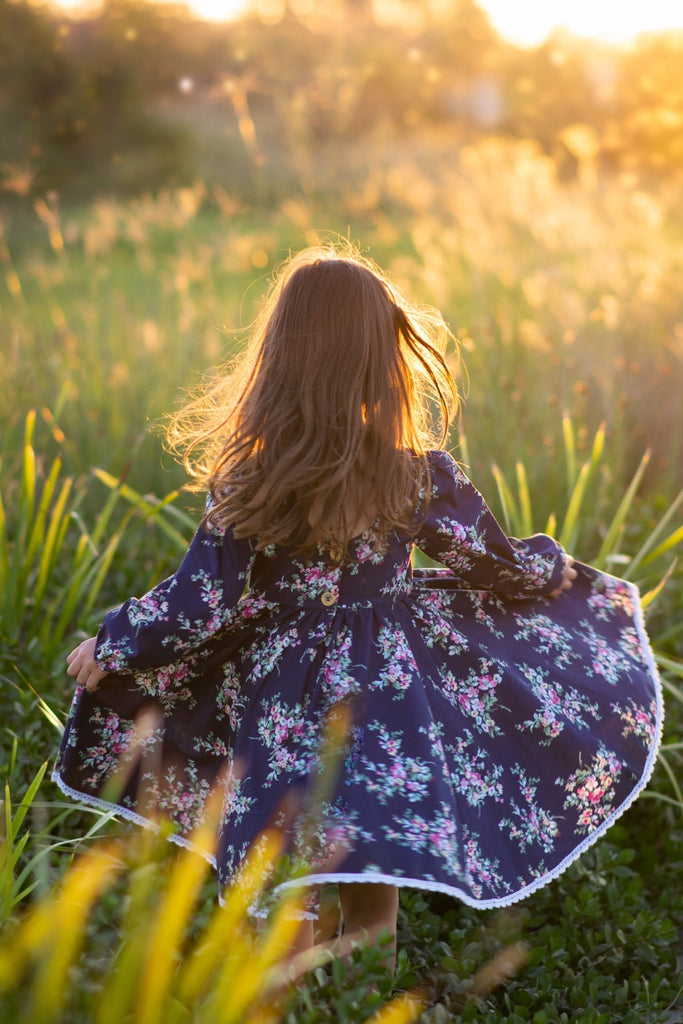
x: 329, y: 577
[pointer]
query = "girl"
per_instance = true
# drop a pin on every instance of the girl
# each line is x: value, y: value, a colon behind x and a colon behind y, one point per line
x: 503, y: 710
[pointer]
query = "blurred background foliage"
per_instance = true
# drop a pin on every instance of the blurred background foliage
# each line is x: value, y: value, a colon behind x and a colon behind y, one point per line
x: 139, y: 95
x: 154, y: 169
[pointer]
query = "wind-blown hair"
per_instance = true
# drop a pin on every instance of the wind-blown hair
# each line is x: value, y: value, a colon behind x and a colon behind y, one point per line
x: 321, y: 427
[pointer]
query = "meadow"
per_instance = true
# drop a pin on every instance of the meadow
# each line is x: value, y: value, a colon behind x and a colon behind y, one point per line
x: 565, y: 297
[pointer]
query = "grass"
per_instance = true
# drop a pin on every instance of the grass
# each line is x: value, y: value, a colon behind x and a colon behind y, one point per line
x: 566, y: 301
x: 565, y: 297
x: 598, y: 945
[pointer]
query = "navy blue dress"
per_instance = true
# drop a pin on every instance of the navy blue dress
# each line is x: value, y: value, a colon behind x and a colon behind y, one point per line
x: 493, y: 732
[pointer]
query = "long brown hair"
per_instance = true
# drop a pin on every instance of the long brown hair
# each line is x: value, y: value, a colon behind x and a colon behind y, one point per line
x: 323, y: 424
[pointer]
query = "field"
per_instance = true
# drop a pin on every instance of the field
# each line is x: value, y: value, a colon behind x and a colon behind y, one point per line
x: 565, y: 297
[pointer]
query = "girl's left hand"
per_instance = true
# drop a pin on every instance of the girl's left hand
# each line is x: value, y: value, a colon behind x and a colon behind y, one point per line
x: 569, y: 574
x: 82, y: 665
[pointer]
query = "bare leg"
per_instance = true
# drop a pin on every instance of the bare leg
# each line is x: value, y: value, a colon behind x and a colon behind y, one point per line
x: 303, y: 943
x: 369, y: 910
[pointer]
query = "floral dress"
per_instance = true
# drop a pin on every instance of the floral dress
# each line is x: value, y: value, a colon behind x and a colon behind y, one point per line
x: 492, y: 732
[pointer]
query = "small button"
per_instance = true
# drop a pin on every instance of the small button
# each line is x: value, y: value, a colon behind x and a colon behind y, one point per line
x: 336, y: 554
x: 327, y: 598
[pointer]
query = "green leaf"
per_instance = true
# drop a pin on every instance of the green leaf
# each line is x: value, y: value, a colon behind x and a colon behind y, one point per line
x: 510, y: 513
x: 609, y: 545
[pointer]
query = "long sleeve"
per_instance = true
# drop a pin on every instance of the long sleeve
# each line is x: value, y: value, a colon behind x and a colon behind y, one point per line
x: 461, y: 532
x: 181, y: 612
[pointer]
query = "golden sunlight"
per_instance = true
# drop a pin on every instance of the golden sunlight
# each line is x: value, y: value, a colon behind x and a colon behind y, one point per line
x: 528, y: 22
x: 525, y: 22
x: 211, y: 10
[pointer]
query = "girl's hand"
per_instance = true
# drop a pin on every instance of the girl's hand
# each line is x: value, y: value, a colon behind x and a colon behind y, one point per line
x: 569, y: 574
x: 82, y: 665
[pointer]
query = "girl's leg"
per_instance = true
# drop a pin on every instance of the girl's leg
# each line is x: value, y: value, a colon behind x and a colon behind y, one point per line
x: 368, y: 910
x: 303, y: 942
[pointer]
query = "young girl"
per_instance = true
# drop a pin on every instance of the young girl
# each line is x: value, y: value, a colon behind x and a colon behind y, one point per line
x: 503, y: 710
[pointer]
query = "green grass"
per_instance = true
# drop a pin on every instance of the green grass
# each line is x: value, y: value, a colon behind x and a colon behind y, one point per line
x: 567, y: 302
x: 600, y: 944
x: 566, y: 299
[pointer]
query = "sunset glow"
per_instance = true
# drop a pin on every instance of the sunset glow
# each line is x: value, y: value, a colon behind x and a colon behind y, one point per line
x: 525, y: 22
x: 528, y: 22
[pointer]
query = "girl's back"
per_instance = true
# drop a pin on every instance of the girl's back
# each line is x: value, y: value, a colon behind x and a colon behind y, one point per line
x: 497, y: 722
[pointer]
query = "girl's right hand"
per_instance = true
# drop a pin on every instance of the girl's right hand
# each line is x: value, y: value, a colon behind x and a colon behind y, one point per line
x: 82, y: 665
x: 569, y: 574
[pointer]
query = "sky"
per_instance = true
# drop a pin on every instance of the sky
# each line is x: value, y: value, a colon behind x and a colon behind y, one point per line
x: 528, y: 22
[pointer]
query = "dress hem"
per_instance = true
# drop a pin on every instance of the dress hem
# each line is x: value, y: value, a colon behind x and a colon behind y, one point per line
x: 577, y: 852
x: 426, y: 884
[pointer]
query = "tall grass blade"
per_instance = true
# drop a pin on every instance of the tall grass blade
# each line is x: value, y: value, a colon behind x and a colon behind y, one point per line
x: 402, y: 1010
x: 167, y: 932
x: 126, y: 979
x: 598, y: 447
x: 651, y: 595
x: 663, y: 760
x: 150, y: 509
x: 507, y: 501
x: 4, y: 547
x: 37, y: 534
x: 247, y: 984
x: 104, y: 517
x: 647, y: 552
x: 569, y: 531
x: 17, y: 573
x: 12, y: 847
x: 51, y: 716
x: 526, y: 527
x: 228, y: 921
x: 462, y: 449
x: 671, y: 541
x: 25, y: 804
x: 67, y: 916
x: 87, y: 577
x: 6, y: 873
x: 52, y: 545
x: 609, y: 545
x: 569, y: 438
x: 577, y: 493
x: 670, y: 665
x: 95, y: 580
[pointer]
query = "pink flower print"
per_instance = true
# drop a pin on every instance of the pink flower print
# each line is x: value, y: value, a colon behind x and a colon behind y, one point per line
x: 547, y: 637
x: 113, y: 655
x: 474, y: 774
x: 631, y: 645
x: 610, y: 596
x: 530, y: 823
x: 480, y: 871
x: 476, y: 695
x: 364, y: 550
x: 638, y: 721
x: 252, y: 604
x: 608, y: 661
x: 591, y: 789
x: 557, y: 705
x: 400, y: 665
x: 152, y: 607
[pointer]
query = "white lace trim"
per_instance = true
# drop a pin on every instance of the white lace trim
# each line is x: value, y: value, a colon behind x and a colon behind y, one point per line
x: 123, y: 812
x: 425, y: 884
x: 549, y: 876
